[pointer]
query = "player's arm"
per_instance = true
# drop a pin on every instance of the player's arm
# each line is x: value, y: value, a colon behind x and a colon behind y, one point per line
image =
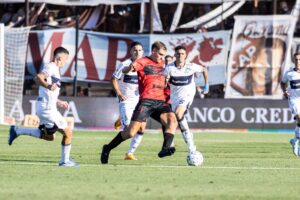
x: 62, y: 104
x: 41, y: 79
x: 284, y: 89
x: 205, y: 76
x: 117, y: 89
x: 128, y: 69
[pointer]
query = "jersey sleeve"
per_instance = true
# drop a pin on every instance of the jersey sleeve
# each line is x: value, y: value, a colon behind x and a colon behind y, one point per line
x: 285, y: 77
x: 167, y: 71
x: 197, y: 68
x: 118, y: 72
x: 47, y: 70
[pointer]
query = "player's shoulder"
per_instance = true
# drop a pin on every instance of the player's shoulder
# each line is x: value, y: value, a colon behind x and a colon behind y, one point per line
x: 171, y: 65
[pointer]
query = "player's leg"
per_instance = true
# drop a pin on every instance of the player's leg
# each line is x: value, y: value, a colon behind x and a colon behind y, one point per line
x: 168, y: 120
x: 60, y: 125
x: 294, y: 105
x: 184, y: 127
x: 296, y: 141
x: 44, y: 116
x: 127, y: 108
x: 156, y: 117
x: 15, y: 132
x: 138, y: 122
x: 119, y: 138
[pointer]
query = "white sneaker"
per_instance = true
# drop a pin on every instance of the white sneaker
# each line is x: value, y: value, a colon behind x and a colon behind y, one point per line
x: 70, y: 163
x: 295, y: 144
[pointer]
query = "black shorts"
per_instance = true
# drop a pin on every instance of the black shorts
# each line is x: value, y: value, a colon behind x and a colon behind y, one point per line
x: 147, y: 107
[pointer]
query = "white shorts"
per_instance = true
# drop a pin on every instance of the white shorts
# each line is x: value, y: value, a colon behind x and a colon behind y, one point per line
x: 49, y: 117
x: 187, y: 102
x: 126, y: 109
x: 294, y: 105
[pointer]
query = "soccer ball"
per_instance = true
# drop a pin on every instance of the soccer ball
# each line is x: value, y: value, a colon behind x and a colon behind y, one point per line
x: 195, y: 158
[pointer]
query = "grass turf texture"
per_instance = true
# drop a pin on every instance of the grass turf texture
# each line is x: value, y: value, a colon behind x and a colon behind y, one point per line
x: 236, y: 166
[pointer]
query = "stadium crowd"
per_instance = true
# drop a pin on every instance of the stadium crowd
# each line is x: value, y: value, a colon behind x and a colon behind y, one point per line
x: 125, y: 19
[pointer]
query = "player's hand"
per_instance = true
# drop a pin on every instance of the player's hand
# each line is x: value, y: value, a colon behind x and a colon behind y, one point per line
x: 52, y: 87
x: 205, y: 89
x: 286, y: 94
x: 122, y: 98
x: 63, y: 104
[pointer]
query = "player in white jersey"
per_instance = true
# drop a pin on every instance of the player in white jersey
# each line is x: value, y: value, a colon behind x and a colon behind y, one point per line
x: 180, y: 76
x: 46, y: 107
x: 126, y: 88
x: 292, y: 92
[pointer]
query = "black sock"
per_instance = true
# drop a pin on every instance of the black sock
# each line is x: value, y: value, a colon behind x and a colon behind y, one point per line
x: 163, y: 130
x: 168, y: 139
x: 140, y: 133
x: 116, y: 141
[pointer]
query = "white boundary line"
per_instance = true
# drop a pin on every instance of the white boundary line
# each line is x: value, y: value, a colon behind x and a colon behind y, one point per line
x: 152, y: 166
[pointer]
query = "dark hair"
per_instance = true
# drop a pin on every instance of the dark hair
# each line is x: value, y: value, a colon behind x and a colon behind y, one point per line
x: 296, y: 54
x: 180, y: 47
x: 158, y: 45
x: 59, y: 50
x: 135, y: 43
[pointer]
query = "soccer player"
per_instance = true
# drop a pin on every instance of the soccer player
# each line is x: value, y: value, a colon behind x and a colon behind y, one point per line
x: 292, y: 92
x: 180, y: 75
x: 46, y: 107
x: 151, y: 82
x: 126, y: 88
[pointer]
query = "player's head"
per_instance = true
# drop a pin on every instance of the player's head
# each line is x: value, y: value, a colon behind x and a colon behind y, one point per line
x: 180, y: 53
x: 136, y: 50
x: 159, y: 51
x: 61, y: 56
x: 168, y: 59
x: 297, y: 59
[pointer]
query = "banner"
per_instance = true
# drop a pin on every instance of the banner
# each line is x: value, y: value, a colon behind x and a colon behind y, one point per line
x: 259, y: 53
x: 100, y: 53
x: 203, y: 113
x: 209, y: 49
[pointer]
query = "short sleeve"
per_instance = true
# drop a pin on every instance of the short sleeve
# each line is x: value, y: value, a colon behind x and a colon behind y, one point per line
x: 47, y: 70
x: 118, y: 72
x: 197, y: 68
x: 285, y: 77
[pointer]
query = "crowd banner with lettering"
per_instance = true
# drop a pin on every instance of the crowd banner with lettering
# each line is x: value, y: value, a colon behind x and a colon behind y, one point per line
x: 259, y: 55
x: 100, y: 53
x: 209, y: 49
x: 262, y: 114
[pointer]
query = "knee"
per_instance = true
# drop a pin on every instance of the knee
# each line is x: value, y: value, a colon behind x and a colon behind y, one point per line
x: 68, y: 133
x: 48, y: 137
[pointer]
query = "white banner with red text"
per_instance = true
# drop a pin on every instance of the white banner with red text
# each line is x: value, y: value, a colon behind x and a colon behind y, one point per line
x: 100, y: 53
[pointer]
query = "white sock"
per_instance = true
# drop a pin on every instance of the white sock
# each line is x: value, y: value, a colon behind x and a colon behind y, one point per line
x: 65, y: 152
x: 34, y: 132
x: 135, y: 142
x: 187, y: 135
x: 297, y: 132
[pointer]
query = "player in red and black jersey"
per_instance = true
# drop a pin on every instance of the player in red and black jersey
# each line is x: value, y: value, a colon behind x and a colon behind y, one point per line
x: 152, y: 99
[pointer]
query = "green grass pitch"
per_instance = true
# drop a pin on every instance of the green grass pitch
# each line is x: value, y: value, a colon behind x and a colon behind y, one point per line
x: 236, y: 166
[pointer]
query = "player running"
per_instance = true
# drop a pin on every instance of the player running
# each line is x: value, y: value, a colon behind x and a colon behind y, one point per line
x: 292, y: 92
x: 180, y: 75
x: 152, y: 99
x: 46, y: 107
x: 126, y: 88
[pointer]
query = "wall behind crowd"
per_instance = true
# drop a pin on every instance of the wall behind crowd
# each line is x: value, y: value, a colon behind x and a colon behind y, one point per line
x: 125, y: 19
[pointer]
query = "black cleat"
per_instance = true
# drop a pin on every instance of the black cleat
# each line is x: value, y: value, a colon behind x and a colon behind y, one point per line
x: 166, y: 152
x: 105, y: 154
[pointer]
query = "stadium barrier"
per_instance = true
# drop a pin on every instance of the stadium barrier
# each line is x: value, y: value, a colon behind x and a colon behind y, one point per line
x: 92, y: 112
